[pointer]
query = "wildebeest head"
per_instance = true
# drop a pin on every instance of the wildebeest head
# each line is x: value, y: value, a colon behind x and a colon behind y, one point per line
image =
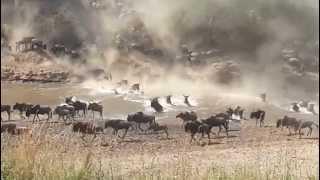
x: 16, y: 106
x: 130, y: 117
x: 229, y: 111
x: 180, y: 115
x: 187, y: 116
x: 70, y: 100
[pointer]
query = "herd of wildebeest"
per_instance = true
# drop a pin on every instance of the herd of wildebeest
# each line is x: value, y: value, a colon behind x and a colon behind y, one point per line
x: 72, y: 110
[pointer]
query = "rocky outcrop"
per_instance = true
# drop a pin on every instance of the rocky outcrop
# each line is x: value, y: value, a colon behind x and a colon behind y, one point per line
x: 9, y: 74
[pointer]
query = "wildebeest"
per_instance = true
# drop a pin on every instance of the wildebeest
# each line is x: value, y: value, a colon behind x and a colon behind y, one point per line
x: 307, y: 124
x: 116, y: 92
x: 10, y: 128
x: 22, y: 107
x: 194, y: 127
x: 186, y: 101
x: 288, y: 122
x: 295, y: 107
x: 311, y: 109
x: 37, y: 109
x: 13, y: 129
x: 187, y: 116
x: 93, y: 106
x: 168, y: 98
x: 141, y: 118
x: 156, y: 128
x: 263, y: 97
x: 65, y: 111
x: 23, y: 130
x: 156, y: 105
x: 135, y: 87
x: 259, y: 115
x: 239, y: 111
x: 117, y: 124
x: 85, y: 128
x: 77, y: 104
x: 230, y: 111
x: 7, y: 109
x: 304, y: 104
x: 217, y: 121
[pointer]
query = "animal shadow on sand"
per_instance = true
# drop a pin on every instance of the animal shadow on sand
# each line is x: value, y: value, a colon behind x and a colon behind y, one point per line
x: 222, y: 137
x: 310, y: 138
x: 214, y: 143
x: 201, y: 143
x: 131, y: 141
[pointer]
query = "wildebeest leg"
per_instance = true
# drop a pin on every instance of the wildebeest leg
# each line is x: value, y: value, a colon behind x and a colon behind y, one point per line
x: 260, y: 122
x: 219, y: 130
x: 9, y: 115
x: 101, y: 115
x: 125, y: 133
x: 38, y: 117
x: 226, y: 130
x: 300, y: 133
x: 64, y: 119
x: 94, y: 136
x: 310, y: 131
x: 192, y: 137
x: 82, y: 137
x: 166, y: 131
x: 34, y: 117
x: 48, y: 116
x: 208, y: 133
x: 139, y: 126
x: 289, y: 131
x: 21, y: 115
x: 93, y: 115
x: 202, y: 134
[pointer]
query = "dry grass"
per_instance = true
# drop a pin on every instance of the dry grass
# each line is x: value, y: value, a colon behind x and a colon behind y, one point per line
x: 64, y: 156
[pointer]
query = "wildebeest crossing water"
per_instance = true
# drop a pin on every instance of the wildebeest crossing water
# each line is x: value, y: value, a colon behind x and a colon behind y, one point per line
x: 119, y: 107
